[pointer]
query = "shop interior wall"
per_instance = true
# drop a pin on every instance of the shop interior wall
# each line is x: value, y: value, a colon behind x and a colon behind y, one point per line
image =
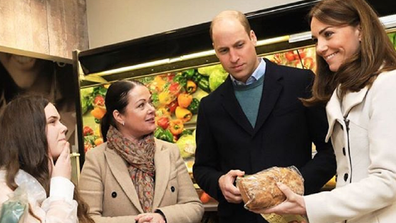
x: 51, y: 27
x: 120, y: 20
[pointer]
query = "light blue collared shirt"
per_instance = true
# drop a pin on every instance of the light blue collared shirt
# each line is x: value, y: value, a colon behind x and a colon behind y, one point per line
x: 257, y: 74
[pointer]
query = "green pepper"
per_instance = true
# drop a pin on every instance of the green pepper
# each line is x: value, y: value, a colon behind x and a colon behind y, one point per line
x: 204, y: 84
x: 187, y: 132
x: 182, y: 80
x: 196, y: 77
x: 193, y: 107
x: 189, y: 73
x: 163, y: 134
x: 155, y: 100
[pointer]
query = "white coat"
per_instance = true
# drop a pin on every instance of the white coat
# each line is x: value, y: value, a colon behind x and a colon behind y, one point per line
x: 362, y: 128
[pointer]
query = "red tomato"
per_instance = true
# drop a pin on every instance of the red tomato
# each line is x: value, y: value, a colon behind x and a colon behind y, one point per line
x: 172, y: 106
x: 302, y: 53
x: 175, y: 89
x: 87, y: 131
x: 204, y: 198
x: 289, y: 56
x: 163, y: 122
x: 99, y: 100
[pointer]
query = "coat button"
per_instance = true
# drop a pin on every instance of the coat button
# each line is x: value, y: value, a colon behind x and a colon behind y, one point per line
x: 343, y: 151
x: 172, y: 188
x: 114, y: 194
x: 345, y: 177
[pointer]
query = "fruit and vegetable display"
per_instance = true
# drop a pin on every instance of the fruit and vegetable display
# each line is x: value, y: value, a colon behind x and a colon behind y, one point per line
x: 176, y: 97
x: 300, y: 58
x: 93, y: 109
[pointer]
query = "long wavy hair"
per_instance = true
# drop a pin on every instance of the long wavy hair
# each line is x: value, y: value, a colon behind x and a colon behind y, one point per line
x: 375, y: 55
x: 24, y: 145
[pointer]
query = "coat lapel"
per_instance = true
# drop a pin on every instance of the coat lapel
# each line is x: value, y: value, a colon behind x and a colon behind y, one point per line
x: 334, y: 108
x: 162, y: 172
x: 121, y: 174
x: 352, y: 99
x: 232, y: 106
x: 271, y: 91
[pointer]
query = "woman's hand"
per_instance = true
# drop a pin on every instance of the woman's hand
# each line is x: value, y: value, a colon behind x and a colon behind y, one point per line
x: 294, y: 203
x: 149, y: 217
x: 62, y: 167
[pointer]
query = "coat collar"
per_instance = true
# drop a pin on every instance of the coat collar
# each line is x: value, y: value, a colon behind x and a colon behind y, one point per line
x: 337, y: 110
x: 272, y: 88
x: 119, y: 169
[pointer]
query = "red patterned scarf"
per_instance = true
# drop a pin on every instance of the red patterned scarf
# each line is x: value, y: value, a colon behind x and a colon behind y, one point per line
x: 140, y: 157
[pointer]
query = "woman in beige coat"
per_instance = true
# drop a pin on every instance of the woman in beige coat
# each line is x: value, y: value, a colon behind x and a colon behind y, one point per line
x: 357, y: 79
x: 133, y: 176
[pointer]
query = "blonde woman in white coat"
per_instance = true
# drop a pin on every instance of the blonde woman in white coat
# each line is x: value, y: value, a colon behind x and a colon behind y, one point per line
x: 356, y: 78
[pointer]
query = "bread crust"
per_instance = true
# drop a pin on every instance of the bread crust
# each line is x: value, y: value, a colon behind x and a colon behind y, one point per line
x: 259, y: 191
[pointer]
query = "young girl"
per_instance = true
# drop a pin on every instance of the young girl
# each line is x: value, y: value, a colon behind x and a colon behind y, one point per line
x: 35, y: 160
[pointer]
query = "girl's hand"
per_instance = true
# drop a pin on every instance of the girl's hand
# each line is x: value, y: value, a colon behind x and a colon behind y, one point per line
x: 294, y: 203
x: 62, y: 168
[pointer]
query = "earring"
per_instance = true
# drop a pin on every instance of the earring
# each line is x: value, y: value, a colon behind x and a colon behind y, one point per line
x: 123, y: 123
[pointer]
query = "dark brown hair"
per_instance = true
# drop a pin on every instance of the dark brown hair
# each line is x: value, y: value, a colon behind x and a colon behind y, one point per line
x: 116, y: 99
x: 24, y: 145
x: 375, y: 55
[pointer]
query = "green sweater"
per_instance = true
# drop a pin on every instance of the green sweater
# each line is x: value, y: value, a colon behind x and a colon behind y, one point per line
x: 249, y: 97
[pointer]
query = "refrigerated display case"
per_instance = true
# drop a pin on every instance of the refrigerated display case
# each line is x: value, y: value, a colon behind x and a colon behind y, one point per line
x: 180, y: 68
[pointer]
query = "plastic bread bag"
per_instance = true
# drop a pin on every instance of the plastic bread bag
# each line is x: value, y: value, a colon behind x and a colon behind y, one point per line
x: 34, y: 190
x: 13, y: 210
x: 275, y: 218
x: 29, y: 191
x: 259, y: 191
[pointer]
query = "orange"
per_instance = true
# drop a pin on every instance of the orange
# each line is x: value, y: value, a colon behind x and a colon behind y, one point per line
x: 98, y: 112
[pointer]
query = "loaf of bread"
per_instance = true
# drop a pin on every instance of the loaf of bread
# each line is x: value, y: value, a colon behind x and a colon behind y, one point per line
x: 259, y: 191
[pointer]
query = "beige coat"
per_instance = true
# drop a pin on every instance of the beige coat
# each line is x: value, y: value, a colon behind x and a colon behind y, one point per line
x: 366, y: 157
x: 106, y: 186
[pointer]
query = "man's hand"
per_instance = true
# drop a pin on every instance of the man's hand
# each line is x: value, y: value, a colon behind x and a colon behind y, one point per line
x: 227, y: 187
